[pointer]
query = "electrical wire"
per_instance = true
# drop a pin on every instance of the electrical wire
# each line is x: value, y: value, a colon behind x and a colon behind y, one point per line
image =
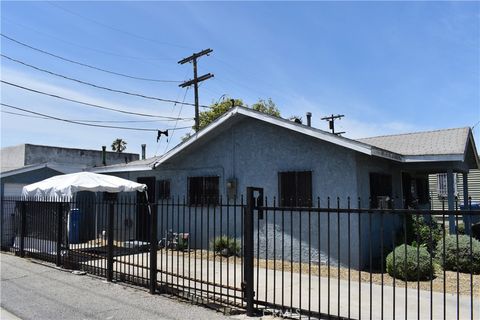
x: 115, y: 54
x: 86, y: 65
x: 82, y: 123
x: 96, y: 85
x: 117, y: 29
x: 86, y: 103
x: 179, y: 112
x: 96, y: 121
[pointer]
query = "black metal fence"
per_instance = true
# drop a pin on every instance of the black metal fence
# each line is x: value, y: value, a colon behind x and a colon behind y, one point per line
x: 338, y: 258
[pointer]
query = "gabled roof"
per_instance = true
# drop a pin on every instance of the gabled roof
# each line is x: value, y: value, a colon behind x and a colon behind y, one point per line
x: 448, y: 141
x: 60, y: 167
x: 138, y: 165
x: 439, y: 145
x: 383, y: 147
x: 239, y: 113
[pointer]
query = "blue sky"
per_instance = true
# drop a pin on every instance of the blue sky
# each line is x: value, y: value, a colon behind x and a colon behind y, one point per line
x: 390, y: 67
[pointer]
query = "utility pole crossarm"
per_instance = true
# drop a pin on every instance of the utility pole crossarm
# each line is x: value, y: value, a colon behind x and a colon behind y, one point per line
x: 331, y: 122
x: 193, y: 58
x: 199, y: 79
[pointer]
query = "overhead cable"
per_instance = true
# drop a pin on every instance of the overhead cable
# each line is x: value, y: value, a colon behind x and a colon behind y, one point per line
x: 117, y: 29
x: 97, y: 121
x: 86, y: 65
x: 96, y: 85
x: 82, y: 123
x: 86, y: 103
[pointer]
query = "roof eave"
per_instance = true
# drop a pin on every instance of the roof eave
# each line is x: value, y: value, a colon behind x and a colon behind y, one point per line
x: 120, y: 169
x: 433, y: 158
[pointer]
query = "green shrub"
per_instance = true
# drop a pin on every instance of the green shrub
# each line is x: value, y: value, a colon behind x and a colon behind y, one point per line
x: 423, y: 232
x: 226, y: 246
x: 464, y: 262
x: 412, y: 268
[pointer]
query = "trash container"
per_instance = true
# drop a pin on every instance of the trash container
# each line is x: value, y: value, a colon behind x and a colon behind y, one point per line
x: 74, y: 226
x: 469, y: 220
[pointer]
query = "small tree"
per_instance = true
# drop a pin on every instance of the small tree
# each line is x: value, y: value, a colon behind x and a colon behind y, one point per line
x: 217, y: 109
x: 119, y: 145
x: 268, y: 107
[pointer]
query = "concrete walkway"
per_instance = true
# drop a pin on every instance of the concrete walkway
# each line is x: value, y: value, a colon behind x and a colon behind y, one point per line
x: 34, y: 291
x: 292, y: 289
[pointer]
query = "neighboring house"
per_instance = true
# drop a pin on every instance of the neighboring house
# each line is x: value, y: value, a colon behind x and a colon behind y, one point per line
x: 438, y: 188
x: 294, y: 161
x: 27, y: 163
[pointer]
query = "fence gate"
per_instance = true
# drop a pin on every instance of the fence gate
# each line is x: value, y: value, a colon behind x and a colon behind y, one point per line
x: 200, y: 249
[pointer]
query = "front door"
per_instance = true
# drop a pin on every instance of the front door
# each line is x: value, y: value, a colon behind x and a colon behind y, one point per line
x: 143, y: 216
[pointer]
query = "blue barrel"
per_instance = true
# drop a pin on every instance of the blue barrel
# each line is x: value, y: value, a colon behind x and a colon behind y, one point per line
x: 74, y: 226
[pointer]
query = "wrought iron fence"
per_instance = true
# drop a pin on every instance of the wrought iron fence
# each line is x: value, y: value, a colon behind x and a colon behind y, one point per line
x: 338, y: 258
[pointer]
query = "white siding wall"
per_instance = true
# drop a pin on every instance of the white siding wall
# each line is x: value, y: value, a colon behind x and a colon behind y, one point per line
x: 473, y: 188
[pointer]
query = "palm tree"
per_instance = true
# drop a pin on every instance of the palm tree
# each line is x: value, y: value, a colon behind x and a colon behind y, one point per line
x: 119, y: 145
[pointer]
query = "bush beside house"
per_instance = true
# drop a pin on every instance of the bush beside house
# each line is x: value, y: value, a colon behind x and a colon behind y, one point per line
x: 459, y: 257
x: 409, y: 263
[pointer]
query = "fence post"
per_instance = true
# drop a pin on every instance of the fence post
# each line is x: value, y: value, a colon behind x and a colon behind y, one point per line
x: 111, y: 209
x: 59, y: 234
x: 23, y: 228
x: 248, y: 252
x: 153, y: 249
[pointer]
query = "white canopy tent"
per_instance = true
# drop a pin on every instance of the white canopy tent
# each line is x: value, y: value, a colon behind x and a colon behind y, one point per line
x: 66, y: 185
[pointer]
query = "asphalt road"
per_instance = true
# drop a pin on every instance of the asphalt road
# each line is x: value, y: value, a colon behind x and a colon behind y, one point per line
x: 33, y: 291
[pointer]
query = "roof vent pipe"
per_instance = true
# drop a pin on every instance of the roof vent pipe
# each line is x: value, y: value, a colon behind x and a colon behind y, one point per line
x: 144, y: 147
x: 104, y: 155
x: 309, y: 119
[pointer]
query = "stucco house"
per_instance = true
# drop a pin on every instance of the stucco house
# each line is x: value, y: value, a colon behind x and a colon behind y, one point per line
x: 293, y: 161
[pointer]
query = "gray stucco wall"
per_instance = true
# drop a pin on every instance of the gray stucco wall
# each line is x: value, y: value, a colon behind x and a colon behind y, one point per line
x: 27, y: 154
x: 371, y: 237
x: 90, y: 158
x: 254, y: 152
x: 12, y: 157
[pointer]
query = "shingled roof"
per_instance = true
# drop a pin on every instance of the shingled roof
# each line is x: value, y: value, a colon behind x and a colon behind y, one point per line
x: 438, y: 142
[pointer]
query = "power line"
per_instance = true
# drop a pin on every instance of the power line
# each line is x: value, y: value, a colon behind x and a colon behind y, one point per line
x: 96, y: 121
x: 117, y: 29
x: 86, y: 103
x: 82, y: 123
x: 96, y: 85
x: 179, y: 112
x: 78, y: 45
x: 86, y: 65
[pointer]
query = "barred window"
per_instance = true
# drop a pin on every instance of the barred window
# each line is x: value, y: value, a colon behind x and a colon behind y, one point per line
x: 442, y: 186
x: 380, y: 190
x: 164, y: 189
x: 295, y: 188
x: 203, y: 190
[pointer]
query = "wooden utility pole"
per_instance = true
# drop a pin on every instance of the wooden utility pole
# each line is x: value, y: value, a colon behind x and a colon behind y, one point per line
x: 331, y: 122
x: 196, y: 80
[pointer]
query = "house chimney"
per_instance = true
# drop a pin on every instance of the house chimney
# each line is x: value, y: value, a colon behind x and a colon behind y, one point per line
x: 309, y: 119
x: 104, y: 155
x: 144, y: 147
